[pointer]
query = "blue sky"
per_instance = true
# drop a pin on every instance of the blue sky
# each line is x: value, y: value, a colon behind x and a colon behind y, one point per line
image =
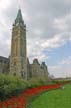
x: 48, y: 31
x: 59, y: 53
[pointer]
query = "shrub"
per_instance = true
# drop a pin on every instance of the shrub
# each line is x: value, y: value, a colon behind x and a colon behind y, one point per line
x: 10, y: 85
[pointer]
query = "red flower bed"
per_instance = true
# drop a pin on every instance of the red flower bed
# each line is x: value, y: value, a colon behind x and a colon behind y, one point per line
x: 21, y: 101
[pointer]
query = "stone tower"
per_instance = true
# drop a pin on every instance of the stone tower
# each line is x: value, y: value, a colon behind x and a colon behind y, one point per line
x: 18, y: 58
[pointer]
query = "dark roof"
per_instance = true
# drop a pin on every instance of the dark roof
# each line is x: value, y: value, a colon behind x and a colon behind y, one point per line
x: 35, y: 61
x: 3, y: 58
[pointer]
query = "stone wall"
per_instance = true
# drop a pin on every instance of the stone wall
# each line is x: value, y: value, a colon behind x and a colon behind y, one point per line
x: 4, y: 64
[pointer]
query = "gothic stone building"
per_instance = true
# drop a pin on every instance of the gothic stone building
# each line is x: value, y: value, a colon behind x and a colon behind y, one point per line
x: 17, y: 63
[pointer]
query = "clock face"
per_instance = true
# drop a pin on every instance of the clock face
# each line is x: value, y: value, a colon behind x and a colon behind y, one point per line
x: 17, y: 24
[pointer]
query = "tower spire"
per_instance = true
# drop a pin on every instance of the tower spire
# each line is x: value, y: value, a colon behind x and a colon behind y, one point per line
x: 19, y: 19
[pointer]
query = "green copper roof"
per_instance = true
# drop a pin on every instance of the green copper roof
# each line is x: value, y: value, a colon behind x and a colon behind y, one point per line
x: 19, y: 18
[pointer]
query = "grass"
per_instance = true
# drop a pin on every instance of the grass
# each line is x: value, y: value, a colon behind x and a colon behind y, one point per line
x: 60, y: 98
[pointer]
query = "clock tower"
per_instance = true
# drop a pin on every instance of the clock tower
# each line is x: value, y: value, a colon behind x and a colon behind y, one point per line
x: 18, y: 58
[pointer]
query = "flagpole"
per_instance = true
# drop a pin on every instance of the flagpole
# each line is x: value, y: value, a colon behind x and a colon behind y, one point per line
x: 19, y: 5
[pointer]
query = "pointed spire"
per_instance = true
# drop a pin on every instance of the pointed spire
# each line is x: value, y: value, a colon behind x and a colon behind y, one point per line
x: 19, y: 18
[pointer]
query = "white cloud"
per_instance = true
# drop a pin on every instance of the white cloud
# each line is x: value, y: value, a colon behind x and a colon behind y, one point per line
x: 68, y: 1
x: 4, y: 4
x: 60, y: 23
x: 66, y: 61
x: 37, y: 31
x: 55, y: 42
x: 63, y: 23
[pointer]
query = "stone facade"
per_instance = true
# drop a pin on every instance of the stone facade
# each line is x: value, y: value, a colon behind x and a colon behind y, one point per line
x: 4, y: 64
x: 38, y: 70
x: 19, y: 63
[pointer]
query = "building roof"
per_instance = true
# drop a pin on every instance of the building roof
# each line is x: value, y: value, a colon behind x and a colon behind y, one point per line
x: 3, y: 59
x: 35, y: 61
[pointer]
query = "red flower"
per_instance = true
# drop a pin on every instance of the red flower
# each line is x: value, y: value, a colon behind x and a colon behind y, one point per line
x: 6, y: 104
x: 1, y: 104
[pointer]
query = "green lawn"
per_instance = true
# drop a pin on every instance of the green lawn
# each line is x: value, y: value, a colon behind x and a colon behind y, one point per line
x: 54, y: 99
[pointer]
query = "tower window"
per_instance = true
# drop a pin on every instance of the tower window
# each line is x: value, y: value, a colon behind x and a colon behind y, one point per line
x: 14, y: 63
